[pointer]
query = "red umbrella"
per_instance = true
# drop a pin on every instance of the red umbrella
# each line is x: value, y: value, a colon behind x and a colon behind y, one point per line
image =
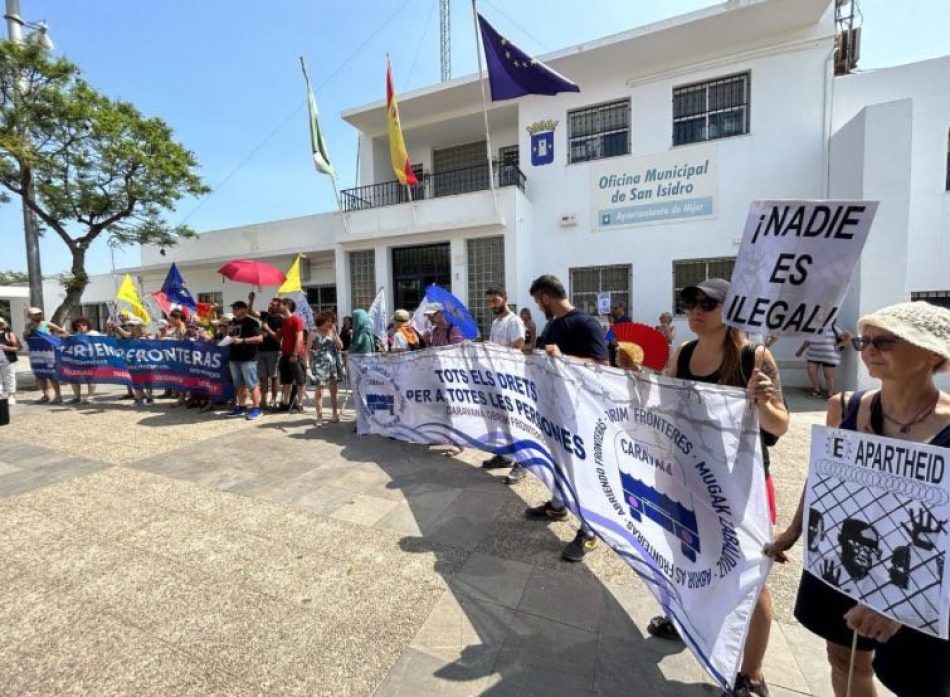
x: 255, y: 273
x: 653, y: 344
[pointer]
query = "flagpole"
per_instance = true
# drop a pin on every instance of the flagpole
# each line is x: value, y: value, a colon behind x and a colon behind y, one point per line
x: 339, y: 205
x: 481, y: 84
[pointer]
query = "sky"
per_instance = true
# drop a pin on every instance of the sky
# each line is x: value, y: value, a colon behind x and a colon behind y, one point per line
x: 225, y: 75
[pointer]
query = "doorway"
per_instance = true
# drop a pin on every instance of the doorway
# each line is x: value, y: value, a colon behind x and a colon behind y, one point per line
x: 415, y: 268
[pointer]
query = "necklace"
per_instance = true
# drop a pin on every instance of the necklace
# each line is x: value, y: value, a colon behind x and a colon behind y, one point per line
x: 906, y: 426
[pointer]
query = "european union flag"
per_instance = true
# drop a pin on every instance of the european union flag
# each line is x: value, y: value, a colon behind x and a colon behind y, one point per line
x: 513, y: 73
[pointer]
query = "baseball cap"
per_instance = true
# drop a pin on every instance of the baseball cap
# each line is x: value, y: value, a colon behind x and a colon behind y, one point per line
x: 34, y: 311
x: 401, y: 316
x: 433, y: 308
x: 715, y: 288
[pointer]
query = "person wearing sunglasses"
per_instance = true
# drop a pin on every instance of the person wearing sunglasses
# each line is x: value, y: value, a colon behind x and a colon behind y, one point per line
x: 723, y: 355
x: 903, y: 346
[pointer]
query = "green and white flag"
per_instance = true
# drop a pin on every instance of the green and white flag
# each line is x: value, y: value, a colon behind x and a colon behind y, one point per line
x: 321, y: 159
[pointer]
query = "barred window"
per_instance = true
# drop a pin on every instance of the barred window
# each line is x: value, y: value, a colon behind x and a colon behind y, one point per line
x: 362, y: 279
x: 96, y: 313
x: 588, y: 282
x: 599, y: 131
x: 216, y: 298
x: 940, y: 298
x: 322, y: 299
x: 692, y: 272
x: 710, y: 110
x: 948, y: 160
x: 486, y: 269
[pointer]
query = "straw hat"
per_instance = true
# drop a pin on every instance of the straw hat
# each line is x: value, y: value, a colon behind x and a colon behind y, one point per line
x: 919, y: 323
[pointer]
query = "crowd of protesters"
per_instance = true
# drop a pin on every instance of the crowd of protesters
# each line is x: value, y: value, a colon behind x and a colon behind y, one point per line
x: 273, y: 357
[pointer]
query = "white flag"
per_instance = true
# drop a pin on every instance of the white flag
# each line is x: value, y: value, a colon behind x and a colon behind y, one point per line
x: 378, y: 316
x: 419, y: 319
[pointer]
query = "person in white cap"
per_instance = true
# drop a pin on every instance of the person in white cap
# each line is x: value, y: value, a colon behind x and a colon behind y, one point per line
x: 36, y: 324
x: 904, y: 346
x: 443, y: 332
x: 9, y: 346
x: 405, y: 337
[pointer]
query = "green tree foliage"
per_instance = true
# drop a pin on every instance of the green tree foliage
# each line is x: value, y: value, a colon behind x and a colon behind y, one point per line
x: 87, y: 165
x: 8, y: 278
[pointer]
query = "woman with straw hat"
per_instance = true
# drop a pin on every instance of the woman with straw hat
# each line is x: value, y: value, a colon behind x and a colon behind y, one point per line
x: 903, y: 346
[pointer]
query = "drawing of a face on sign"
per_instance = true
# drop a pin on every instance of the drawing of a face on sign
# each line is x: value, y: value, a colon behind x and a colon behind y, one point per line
x: 816, y: 529
x: 542, y: 142
x: 860, y: 547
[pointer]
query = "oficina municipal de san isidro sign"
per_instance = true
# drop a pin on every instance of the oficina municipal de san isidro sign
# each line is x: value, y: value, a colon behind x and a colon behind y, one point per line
x: 672, y: 186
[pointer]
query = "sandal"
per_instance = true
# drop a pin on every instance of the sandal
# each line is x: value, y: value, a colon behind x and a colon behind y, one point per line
x: 662, y: 628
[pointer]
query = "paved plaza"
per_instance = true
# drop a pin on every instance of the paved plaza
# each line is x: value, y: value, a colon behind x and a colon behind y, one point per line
x: 164, y: 552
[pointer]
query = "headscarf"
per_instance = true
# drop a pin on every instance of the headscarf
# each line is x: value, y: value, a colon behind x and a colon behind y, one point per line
x: 362, y: 333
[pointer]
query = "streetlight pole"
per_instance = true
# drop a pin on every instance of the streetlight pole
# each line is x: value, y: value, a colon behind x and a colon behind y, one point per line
x: 15, y: 28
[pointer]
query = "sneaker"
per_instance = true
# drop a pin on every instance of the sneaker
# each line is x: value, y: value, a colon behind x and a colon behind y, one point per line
x: 578, y: 547
x: 138, y: 402
x: 296, y: 409
x: 254, y: 413
x: 149, y: 400
x: 496, y: 463
x: 516, y: 474
x: 545, y: 511
x: 74, y: 400
x: 237, y: 411
x: 56, y: 400
x: 746, y: 688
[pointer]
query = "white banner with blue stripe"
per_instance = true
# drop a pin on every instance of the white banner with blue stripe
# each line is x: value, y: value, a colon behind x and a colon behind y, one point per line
x: 668, y: 473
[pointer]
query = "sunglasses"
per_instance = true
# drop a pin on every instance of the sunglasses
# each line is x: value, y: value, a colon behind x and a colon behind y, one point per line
x: 704, y: 304
x: 881, y: 343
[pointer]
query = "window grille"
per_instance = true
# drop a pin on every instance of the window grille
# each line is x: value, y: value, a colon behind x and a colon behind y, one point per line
x: 588, y: 282
x: 486, y: 269
x: 710, y: 110
x: 599, y: 131
x: 692, y: 272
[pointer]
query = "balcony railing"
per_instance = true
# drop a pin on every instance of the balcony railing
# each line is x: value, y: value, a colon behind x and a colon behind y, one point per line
x: 432, y: 185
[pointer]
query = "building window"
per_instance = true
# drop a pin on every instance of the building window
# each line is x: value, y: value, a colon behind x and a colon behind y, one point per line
x: 216, y: 298
x: 486, y: 269
x: 599, y: 131
x: 710, y: 110
x: 96, y: 313
x: 941, y: 298
x: 691, y: 272
x: 322, y: 299
x: 587, y: 283
x: 362, y: 279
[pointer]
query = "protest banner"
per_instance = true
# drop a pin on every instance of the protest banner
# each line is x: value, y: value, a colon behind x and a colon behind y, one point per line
x: 877, y: 511
x: 42, y: 349
x: 795, y: 265
x: 188, y: 366
x: 668, y: 473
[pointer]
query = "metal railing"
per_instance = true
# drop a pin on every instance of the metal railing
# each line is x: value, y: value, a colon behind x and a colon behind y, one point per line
x: 431, y: 185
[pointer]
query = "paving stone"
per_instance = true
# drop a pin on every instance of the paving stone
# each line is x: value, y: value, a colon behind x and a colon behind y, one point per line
x: 364, y: 510
x: 494, y: 580
x: 568, y: 598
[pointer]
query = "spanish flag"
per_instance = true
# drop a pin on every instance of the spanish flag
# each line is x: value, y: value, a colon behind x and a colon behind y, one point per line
x: 128, y: 293
x: 397, y: 146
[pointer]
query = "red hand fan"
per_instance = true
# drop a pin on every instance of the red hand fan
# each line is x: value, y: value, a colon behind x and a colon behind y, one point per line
x: 655, y: 349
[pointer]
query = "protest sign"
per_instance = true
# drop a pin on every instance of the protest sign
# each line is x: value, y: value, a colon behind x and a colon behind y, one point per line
x: 603, y: 303
x: 877, y: 511
x: 163, y: 364
x: 795, y: 265
x: 668, y: 473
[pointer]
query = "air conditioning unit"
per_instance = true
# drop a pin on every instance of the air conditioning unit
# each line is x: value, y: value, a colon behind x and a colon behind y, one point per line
x: 568, y: 220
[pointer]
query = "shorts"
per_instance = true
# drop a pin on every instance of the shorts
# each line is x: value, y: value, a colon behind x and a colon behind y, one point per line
x: 291, y: 372
x: 822, y: 364
x: 244, y: 374
x: 267, y: 365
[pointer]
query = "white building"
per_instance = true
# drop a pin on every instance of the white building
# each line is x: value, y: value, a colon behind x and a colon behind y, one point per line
x: 689, y: 119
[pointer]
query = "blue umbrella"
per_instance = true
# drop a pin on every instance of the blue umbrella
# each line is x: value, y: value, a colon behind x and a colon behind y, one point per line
x: 455, y: 310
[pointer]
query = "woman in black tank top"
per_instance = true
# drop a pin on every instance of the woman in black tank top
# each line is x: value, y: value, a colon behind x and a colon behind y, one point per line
x: 903, y: 346
x: 722, y: 355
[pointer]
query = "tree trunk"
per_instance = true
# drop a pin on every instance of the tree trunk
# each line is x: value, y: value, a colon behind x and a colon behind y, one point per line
x: 75, y: 286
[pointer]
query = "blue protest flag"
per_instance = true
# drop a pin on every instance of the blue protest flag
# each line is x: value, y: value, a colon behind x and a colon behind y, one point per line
x: 175, y: 291
x: 455, y: 310
x: 513, y: 73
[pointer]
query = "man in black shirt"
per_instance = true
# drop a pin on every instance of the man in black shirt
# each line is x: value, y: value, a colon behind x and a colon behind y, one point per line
x: 245, y: 338
x: 269, y: 354
x: 569, y: 332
